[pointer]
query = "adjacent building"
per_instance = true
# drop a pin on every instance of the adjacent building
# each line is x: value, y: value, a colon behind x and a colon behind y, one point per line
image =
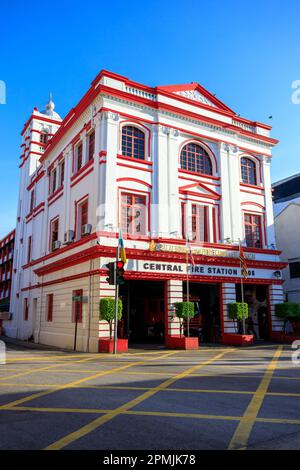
x: 6, y: 271
x: 286, y: 197
x: 165, y: 164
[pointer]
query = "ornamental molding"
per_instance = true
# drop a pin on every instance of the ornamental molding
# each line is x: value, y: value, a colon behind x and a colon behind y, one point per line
x: 194, y: 95
x: 198, y: 123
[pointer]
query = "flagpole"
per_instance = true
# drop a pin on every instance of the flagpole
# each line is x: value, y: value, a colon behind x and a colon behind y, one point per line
x: 116, y: 295
x: 242, y: 289
x: 188, y: 291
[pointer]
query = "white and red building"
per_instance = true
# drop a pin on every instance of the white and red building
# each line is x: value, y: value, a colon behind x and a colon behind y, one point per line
x: 164, y: 164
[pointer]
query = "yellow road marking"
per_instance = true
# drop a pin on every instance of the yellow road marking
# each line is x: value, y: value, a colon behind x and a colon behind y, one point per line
x: 76, y: 382
x: 243, y: 430
x: 152, y: 413
x: 63, y: 442
x: 127, y: 387
x: 40, y: 369
x: 129, y: 412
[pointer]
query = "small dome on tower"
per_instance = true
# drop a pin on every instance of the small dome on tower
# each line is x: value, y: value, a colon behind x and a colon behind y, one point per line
x: 49, y: 111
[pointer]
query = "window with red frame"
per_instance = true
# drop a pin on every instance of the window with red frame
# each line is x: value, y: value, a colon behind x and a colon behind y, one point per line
x: 61, y: 167
x: 53, y: 180
x: 91, y: 145
x: 82, y: 216
x: 29, y: 248
x: 32, y: 200
x: 133, y: 142
x: 253, y: 232
x: 77, y: 305
x: 54, y: 233
x: 199, y: 223
x: 49, y: 307
x: 194, y: 158
x: 26, y: 309
x: 78, y: 157
x: 133, y: 214
x: 248, y: 171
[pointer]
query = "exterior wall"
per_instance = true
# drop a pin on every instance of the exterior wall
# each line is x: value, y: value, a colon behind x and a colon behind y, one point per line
x: 6, y: 269
x: 168, y: 121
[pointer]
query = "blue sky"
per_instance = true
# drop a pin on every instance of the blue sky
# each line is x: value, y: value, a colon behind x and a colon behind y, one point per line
x: 245, y: 52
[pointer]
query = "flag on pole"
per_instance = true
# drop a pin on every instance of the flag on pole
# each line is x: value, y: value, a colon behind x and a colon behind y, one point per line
x: 244, y: 269
x: 189, y: 251
x: 121, y: 245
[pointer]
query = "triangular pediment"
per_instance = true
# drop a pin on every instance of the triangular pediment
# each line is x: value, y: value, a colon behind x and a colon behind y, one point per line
x: 196, y: 93
x: 199, y: 189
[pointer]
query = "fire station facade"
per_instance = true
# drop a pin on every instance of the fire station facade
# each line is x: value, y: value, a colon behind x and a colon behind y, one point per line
x: 164, y: 164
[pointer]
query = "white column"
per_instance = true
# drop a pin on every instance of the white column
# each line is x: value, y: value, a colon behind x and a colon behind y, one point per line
x: 96, y: 212
x: 230, y: 185
x: 225, y: 214
x: 110, y: 199
x: 174, y: 205
x: 276, y: 297
x: 228, y: 293
x: 268, y: 202
x: 175, y: 294
x: 65, y: 219
x: 160, y: 201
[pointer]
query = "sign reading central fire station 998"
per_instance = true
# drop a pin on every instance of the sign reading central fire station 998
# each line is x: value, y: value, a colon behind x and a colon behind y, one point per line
x: 198, y: 269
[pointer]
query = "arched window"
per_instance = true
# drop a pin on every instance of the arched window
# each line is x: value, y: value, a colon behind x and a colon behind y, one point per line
x: 44, y: 136
x: 248, y: 171
x: 133, y: 142
x: 194, y: 158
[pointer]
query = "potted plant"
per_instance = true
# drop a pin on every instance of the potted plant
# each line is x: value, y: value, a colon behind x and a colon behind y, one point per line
x: 237, y: 311
x: 183, y: 311
x: 289, y: 312
x: 107, y: 313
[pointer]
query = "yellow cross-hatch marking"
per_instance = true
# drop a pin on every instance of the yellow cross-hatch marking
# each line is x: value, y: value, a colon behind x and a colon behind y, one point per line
x: 76, y: 382
x: 74, y: 436
x: 40, y: 369
x: 244, y: 428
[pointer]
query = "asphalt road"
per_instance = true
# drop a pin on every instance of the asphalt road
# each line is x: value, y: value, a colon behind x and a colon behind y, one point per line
x: 213, y: 398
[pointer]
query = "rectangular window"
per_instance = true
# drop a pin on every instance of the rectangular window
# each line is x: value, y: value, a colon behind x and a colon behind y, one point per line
x: 253, y: 233
x: 77, y: 305
x: 26, y: 309
x: 61, y: 173
x: 82, y: 216
x: 91, y: 145
x: 29, y: 249
x: 54, y: 233
x: 199, y: 223
x: 53, y: 181
x: 32, y: 200
x: 49, y: 306
x: 78, y: 157
x: 133, y: 214
x: 294, y: 269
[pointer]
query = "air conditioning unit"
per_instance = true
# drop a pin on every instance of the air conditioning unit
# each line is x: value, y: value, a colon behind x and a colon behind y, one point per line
x: 86, y: 229
x: 68, y: 236
x: 56, y: 245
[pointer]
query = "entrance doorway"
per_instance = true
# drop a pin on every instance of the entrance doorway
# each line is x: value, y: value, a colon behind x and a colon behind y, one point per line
x: 143, y: 311
x: 256, y: 298
x: 206, y: 323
